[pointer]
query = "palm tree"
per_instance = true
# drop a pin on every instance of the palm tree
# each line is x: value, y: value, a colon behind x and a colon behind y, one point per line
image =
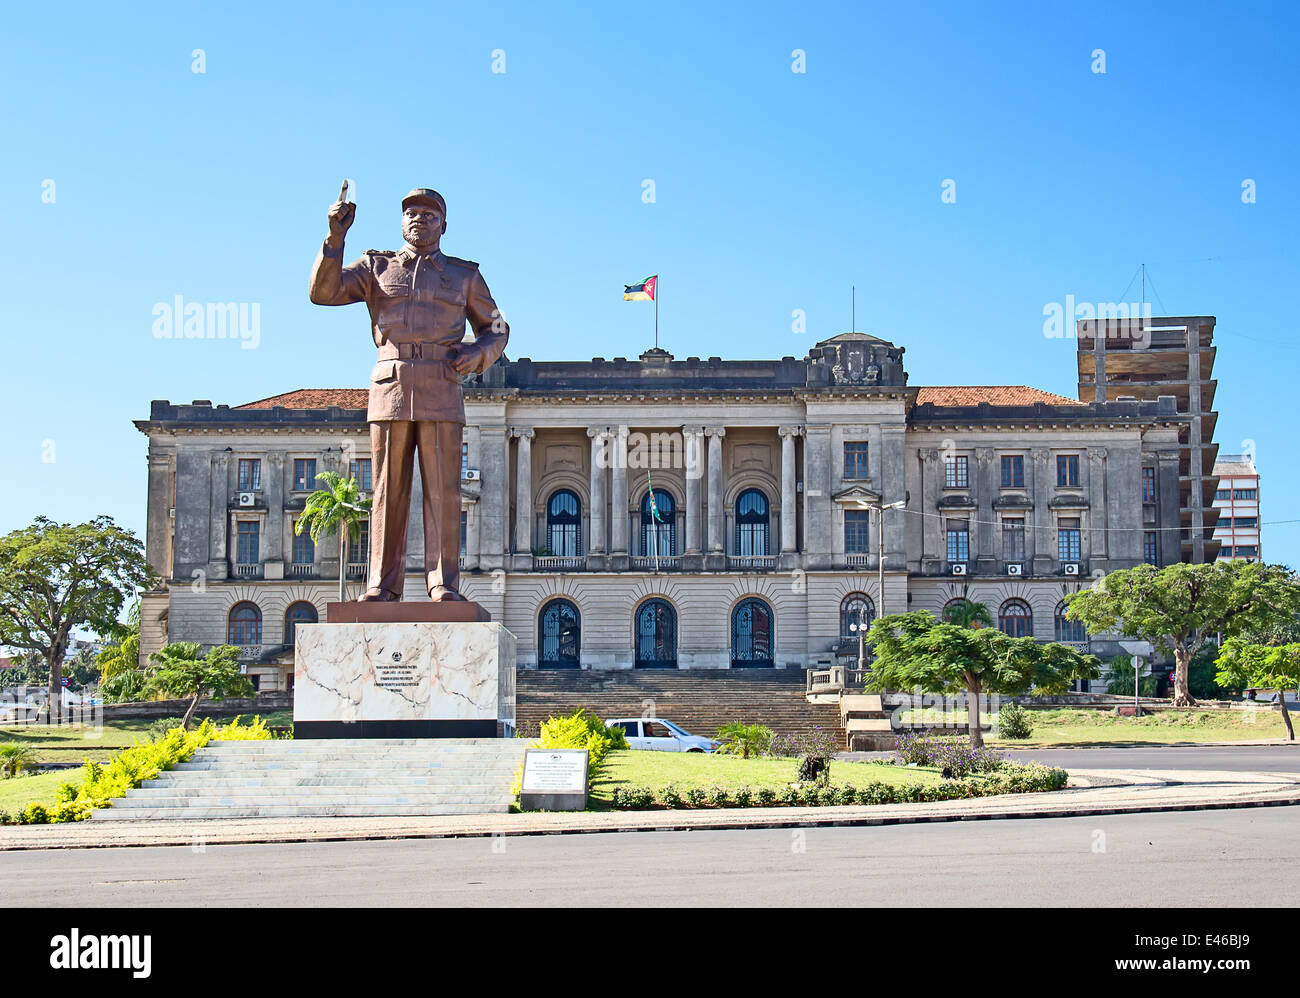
x: 336, y: 509
x: 967, y: 613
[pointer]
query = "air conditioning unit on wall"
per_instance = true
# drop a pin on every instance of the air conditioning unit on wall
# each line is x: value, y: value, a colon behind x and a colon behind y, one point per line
x: 247, y: 498
x: 1071, y: 569
x: 959, y: 569
x: 470, y: 475
x: 1014, y: 568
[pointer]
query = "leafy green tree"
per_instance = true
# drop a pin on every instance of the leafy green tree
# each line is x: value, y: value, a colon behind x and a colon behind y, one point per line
x: 123, y: 655
x: 336, y: 509
x: 182, y: 669
x: 968, y: 613
x: 1261, y: 667
x: 1180, y: 607
x: 55, y: 577
x: 915, y: 651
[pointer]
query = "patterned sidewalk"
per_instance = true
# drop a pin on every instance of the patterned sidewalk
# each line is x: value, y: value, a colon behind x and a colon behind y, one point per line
x: 1091, y: 792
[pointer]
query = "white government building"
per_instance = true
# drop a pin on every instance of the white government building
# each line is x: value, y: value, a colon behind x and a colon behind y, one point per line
x: 762, y: 543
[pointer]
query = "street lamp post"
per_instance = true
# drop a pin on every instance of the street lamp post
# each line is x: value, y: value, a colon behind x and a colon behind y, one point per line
x: 879, y: 509
x: 861, y: 630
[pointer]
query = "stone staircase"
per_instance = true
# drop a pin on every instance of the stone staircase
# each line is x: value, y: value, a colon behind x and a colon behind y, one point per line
x: 339, y: 777
x: 699, y: 701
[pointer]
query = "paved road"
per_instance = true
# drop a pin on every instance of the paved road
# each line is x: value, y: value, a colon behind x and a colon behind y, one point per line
x: 1232, y: 758
x: 1208, y: 858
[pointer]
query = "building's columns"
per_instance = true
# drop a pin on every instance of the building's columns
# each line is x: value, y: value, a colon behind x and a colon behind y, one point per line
x: 693, y: 437
x: 524, y: 491
x: 986, y: 486
x: 473, y: 532
x: 599, y: 461
x: 933, y: 546
x: 789, y: 501
x: 715, y: 435
x: 618, y: 501
x: 1095, y: 538
x: 273, y: 555
x: 1039, y: 548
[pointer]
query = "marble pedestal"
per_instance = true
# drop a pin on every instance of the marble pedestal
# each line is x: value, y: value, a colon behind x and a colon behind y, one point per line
x: 404, y: 679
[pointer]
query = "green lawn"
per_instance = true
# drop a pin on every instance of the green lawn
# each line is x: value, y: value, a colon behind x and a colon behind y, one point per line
x: 18, y: 791
x: 68, y: 743
x: 1101, y: 727
x: 696, y: 769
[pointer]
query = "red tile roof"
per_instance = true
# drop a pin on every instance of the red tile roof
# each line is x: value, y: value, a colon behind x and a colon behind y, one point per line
x: 314, y: 398
x: 940, y: 395
x: 945, y: 395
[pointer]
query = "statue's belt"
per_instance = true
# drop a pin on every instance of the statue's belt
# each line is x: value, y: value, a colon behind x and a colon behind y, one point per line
x: 415, y: 352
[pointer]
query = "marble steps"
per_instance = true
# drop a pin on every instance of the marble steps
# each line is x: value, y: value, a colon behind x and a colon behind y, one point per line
x: 330, y: 777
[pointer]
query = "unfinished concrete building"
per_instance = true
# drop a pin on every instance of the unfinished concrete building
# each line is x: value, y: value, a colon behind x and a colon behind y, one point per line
x: 1148, y: 357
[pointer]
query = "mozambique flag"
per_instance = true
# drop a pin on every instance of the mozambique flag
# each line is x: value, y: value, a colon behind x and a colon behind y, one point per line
x: 645, y: 291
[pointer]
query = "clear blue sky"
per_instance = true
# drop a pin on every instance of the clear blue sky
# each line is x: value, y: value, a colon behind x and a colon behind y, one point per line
x: 775, y: 191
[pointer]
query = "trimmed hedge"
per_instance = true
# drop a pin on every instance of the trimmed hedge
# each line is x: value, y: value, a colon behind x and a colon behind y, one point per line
x: 1011, y: 778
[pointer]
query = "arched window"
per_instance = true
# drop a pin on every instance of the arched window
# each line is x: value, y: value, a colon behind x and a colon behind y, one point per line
x: 855, y: 608
x: 658, y: 524
x: 751, y: 635
x: 244, y: 626
x: 751, y: 523
x: 1066, y: 629
x: 564, y: 524
x: 559, y: 629
x: 656, y: 635
x: 298, y: 613
x: 1016, y: 619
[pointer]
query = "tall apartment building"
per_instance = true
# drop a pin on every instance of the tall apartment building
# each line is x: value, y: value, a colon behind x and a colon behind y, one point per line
x: 1237, y: 501
x: 1146, y: 358
x: 690, y: 514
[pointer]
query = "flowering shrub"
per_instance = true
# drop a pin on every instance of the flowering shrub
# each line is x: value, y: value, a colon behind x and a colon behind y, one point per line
x: 954, y: 756
x: 817, y: 742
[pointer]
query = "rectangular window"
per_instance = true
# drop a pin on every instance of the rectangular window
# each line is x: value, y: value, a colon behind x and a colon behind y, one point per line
x: 1247, y: 551
x: 359, y: 468
x: 464, y: 458
x: 958, y: 540
x: 463, y: 531
x: 1245, y: 493
x: 1225, y: 552
x: 250, y: 474
x: 246, y: 544
x: 857, y: 531
x: 359, y: 553
x: 1246, y: 521
x: 1067, y: 470
x: 954, y: 476
x: 1069, y: 539
x: 1013, y: 539
x: 304, y: 549
x: 1151, y: 548
x: 1223, y: 494
x: 855, y: 459
x: 1148, y: 484
x: 1013, y: 471
x: 304, y: 474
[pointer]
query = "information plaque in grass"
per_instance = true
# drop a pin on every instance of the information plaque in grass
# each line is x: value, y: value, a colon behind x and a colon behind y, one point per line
x: 694, y: 769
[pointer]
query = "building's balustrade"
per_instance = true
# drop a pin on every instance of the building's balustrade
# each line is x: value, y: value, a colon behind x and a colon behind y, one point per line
x: 248, y: 571
x: 357, y: 570
x: 557, y: 563
x: 665, y: 562
x: 761, y: 561
x: 302, y: 571
x: 857, y: 560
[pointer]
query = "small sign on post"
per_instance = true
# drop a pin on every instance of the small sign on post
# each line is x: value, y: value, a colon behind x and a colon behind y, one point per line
x: 554, y: 780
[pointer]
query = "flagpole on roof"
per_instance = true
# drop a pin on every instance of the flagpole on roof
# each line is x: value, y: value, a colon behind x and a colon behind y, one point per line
x: 656, y: 311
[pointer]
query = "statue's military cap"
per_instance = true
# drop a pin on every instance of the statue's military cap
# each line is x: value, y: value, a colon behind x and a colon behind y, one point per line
x: 426, y: 196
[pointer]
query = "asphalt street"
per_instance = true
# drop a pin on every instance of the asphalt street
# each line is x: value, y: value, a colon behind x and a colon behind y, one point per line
x: 1239, y: 857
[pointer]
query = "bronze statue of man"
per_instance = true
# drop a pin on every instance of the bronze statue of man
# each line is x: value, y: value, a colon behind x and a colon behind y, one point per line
x: 419, y: 301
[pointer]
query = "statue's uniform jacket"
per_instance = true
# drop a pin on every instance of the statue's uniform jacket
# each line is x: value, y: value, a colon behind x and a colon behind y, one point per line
x: 418, y: 309
x: 419, y: 304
